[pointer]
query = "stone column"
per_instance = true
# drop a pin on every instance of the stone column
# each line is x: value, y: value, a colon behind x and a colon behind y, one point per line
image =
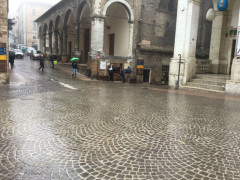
x: 44, y: 43
x: 50, y: 42
x: 40, y: 37
x: 60, y: 42
x: 76, y: 46
x: 97, y: 40
x: 65, y: 28
x: 185, y: 41
x: 216, y: 40
x: 97, y: 33
x: 130, y: 41
x: 56, y: 42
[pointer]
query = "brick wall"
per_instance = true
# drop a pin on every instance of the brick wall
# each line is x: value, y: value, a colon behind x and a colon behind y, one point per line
x: 4, y: 39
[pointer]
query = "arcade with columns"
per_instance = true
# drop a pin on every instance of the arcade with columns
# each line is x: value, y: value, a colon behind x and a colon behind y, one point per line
x: 87, y: 29
x: 223, y: 46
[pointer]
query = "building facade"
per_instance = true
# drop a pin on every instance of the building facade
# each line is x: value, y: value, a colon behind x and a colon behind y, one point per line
x: 26, y: 29
x: 4, y: 76
x: 223, y: 42
x: 150, y: 36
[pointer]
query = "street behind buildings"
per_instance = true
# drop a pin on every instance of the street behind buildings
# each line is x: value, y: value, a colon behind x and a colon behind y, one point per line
x: 56, y: 127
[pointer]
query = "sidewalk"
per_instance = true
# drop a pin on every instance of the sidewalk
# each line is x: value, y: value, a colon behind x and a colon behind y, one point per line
x: 66, y: 67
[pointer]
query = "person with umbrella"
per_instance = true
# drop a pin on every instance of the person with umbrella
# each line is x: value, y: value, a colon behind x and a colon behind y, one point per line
x: 74, y: 67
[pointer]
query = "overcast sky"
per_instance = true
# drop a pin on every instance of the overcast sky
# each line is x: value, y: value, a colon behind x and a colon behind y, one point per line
x: 13, y: 4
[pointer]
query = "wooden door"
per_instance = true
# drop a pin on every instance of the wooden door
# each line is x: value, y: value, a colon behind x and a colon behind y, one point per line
x: 165, y: 74
x: 146, y: 74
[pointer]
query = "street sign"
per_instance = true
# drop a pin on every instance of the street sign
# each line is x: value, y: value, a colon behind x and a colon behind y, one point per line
x: 98, y: 56
x: 3, y: 57
x: 2, y: 51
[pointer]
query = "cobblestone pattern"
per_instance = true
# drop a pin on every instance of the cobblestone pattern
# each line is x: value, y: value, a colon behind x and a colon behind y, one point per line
x: 112, y: 131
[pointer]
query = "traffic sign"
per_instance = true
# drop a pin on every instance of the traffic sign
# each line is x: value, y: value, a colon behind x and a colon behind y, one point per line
x: 98, y: 56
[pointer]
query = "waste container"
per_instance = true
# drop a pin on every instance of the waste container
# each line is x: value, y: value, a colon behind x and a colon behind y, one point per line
x: 88, y: 72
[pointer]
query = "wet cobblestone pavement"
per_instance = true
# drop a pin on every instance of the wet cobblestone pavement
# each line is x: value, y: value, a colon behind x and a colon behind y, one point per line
x: 53, y: 127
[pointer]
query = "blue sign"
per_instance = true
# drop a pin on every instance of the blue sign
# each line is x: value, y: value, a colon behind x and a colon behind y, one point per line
x: 222, y: 5
x: 2, y: 51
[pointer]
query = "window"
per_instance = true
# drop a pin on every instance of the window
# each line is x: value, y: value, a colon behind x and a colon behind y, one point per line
x: 34, y: 28
x: 34, y: 37
x: 34, y: 12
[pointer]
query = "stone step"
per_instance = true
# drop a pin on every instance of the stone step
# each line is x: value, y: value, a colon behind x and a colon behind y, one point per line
x: 202, y: 89
x: 216, y: 82
x: 212, y: 76
x: 206, y: 86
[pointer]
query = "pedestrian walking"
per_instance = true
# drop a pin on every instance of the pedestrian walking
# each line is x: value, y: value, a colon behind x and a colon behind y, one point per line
x: 11, y: 58
x: 74, y: 69
x: 128, y: 74
x: 122, y: 74
x: 110, y: 71
x: 41, y: 63
x: 53, y: 58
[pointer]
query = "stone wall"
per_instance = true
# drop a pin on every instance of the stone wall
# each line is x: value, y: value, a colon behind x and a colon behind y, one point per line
x: 4, y: 77
x: 156, y: 35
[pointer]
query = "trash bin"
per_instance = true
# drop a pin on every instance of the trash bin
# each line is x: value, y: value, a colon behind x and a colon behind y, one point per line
x: 88, y: 72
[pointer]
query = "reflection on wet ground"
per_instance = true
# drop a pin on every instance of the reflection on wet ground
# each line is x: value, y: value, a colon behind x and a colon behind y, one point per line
x: 53, y: 127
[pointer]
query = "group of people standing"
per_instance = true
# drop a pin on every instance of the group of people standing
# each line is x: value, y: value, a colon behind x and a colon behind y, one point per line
x: 125, y: 73
x: 41, y: 60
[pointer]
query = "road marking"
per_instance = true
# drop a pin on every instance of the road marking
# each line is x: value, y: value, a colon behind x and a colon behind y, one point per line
x: 65, y: 85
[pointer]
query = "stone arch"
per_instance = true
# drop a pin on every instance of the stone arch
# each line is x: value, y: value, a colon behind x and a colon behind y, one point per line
x: 67, y: 15
x: 40, y: 31
x: 58, y: 45
x: 58, y: 20
x: 51, y: 26
x: 81, y: 8
x: 83, y: 23
x: 124, y: 3
x: 45, y: 28
x: 68, y: 33
x: 118, y: 29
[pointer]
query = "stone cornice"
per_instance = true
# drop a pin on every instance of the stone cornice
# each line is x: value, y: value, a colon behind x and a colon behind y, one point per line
x: 97, y: 16
x: 198, y: 2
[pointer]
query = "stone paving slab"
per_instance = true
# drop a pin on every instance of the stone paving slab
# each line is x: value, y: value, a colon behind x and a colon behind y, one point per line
x: 112, y: 131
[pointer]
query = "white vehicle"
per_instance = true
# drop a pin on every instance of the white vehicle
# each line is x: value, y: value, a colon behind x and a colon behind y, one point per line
x: 29, y: 50
x: 18, y: 53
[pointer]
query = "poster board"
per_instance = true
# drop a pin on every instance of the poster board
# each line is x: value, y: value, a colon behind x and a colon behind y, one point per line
x: 103, y: 65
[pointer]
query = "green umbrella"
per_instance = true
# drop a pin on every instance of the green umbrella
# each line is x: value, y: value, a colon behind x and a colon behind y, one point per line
x: 74, y: 59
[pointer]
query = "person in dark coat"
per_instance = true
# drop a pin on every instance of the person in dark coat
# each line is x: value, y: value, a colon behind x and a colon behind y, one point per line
x: 75, y: 68
x: 128, y: 74
x: 110, y: 71
x: 11, y: 58
x: 122, y: 74
x: 41, y: 63
x: 53, y: 58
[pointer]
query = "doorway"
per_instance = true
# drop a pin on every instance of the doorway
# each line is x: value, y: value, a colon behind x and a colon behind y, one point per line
x: 232, y: 55
x: 146, y: 75
x: 165, y: 74
x: 111, y: 44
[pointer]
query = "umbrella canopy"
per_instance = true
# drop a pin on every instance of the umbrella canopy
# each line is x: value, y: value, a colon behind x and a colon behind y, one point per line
x: 74, y: 59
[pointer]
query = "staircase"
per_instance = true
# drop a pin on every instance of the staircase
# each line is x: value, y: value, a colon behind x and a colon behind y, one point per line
x: 208, y: 82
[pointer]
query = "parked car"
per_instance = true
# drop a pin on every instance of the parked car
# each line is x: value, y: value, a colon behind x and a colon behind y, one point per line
x: 35, y: 54
x: 18, y: 53
x: 29, y: 50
